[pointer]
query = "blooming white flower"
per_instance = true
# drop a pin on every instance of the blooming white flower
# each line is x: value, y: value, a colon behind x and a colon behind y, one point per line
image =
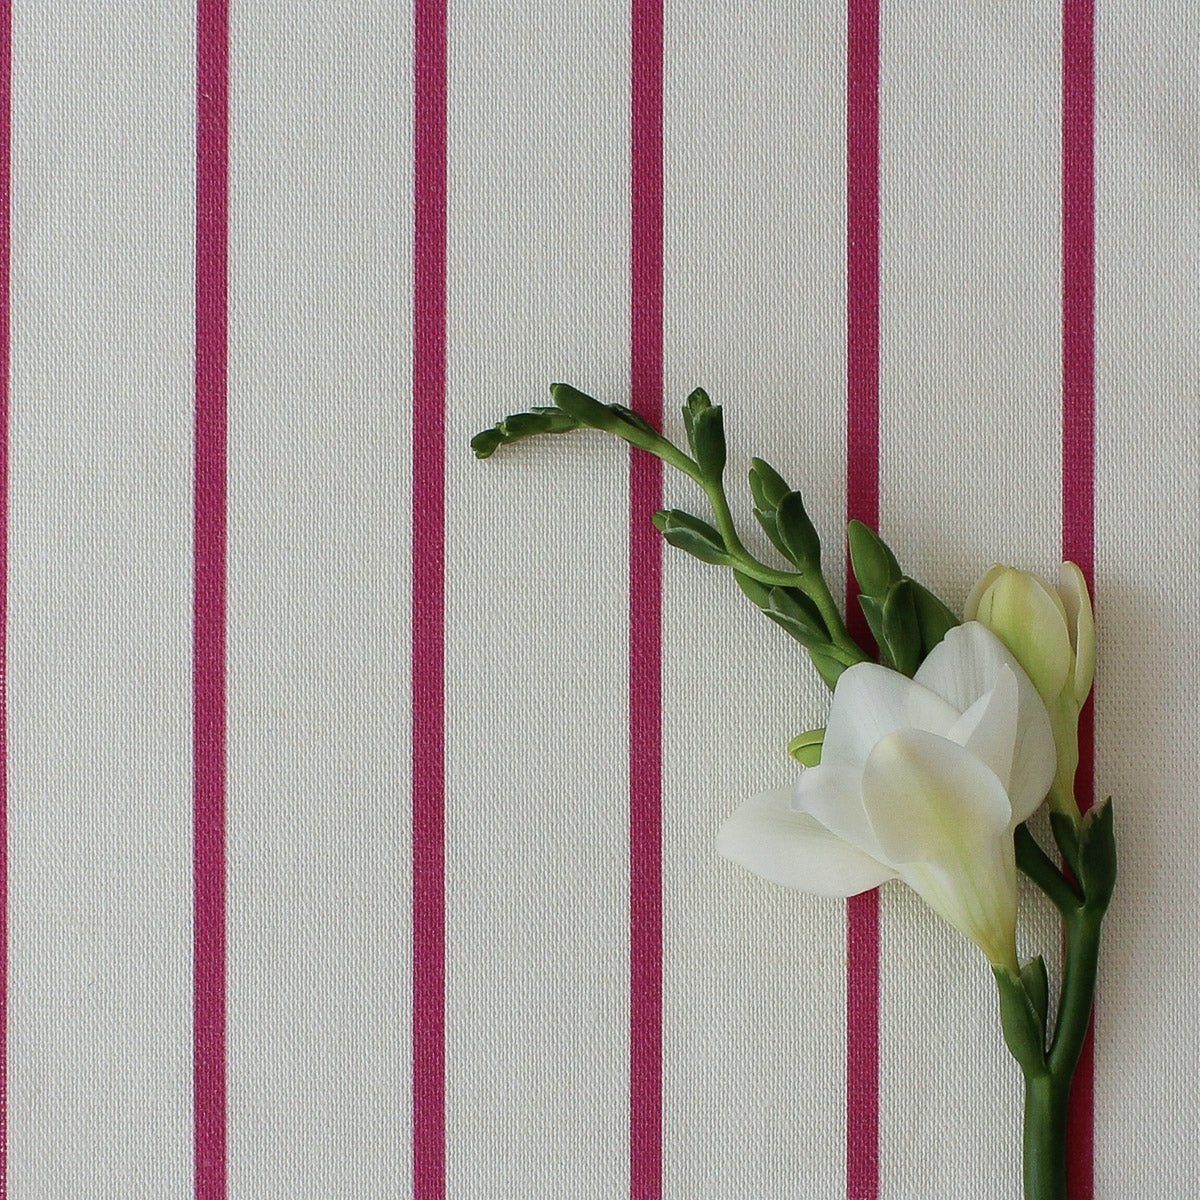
x: 920, y: 779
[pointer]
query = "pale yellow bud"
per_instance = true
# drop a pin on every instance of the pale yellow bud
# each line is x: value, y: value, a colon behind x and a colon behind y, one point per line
x: 1072, y: 588
x: 1051, y: 632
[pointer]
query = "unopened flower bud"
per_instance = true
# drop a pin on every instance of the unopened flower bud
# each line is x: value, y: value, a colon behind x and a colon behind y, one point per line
x: 1052, y: 634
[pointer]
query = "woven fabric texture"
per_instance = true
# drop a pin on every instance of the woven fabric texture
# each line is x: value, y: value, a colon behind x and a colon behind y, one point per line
x: 411, y: 220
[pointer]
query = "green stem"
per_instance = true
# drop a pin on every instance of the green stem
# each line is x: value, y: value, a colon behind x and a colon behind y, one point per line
x: 1045, y: 1162
x: 818, y: 592
x: 1038, y: 865
x: 1078, y: 990
x: 843, y: 647
x: 1048, y: 1076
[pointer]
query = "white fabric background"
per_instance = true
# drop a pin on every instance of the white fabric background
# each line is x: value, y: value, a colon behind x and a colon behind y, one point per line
x: 537, y: 840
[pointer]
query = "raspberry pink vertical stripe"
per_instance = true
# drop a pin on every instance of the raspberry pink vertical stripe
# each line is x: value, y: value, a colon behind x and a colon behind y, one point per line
x: 5, y: 191
x: 862, y: 503
x: 212, y: 245
x: 428, y: 602
x: 645, y: 608
x: 1079, y: 446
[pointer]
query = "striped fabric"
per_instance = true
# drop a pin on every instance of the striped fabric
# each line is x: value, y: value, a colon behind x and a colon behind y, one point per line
x: 357, y: 799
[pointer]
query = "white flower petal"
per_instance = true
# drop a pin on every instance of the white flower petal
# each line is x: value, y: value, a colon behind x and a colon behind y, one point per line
x: 791, y: 848
x: 981, y: 905
x: 989, y: 727
x: 943, y: 820
x: 870, y: 702
x: 1034, y: 755
x: 833, y: 795
x: 928, y: 798
x: 963, y: 667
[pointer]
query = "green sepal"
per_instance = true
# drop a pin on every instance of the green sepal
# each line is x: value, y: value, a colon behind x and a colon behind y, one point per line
x: 522, y: 425
x: 805, y: 747
x: 708, y: 442
x: 875, y: 566
x: 1037, y: 988
x: 767, y: 518
x: 829, y: 669
x: 873, y: 611
x: 757, y: 593
x: 1024, y: 1032
x: 608, y: 418
x: 901, y: 630
x: 584, y: 408
x: 798, y: 615
x: 1098, y: 855
x: 787, y: 601
x: 689, y: 533
x: 631, y: 418
x: 767, y: 485
x: 487, y: 441
x: 934, y: 617
x: 1066, y: 834
x: 760, y: 594
x: 696, y: 403
x: 797, y: 534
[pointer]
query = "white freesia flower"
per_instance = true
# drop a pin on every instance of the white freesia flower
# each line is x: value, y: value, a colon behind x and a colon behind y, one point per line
x: 920, y: 779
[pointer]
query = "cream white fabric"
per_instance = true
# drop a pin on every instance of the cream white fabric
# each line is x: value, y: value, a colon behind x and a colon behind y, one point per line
x: 537, y: 843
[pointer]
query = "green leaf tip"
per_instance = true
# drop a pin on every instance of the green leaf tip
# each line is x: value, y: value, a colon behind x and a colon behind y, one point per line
x: 689, y: 533
x: 875, y: 566
x: 934, y: 617
x: 901, y: 630
x: 521, y: 425
x: 767, y: 485
x: 696, y: 403
x: 1098, y: 854
x: 707, y: 438
x: 584, y: 408
x: 1037, y: 987
x: 797, y: 533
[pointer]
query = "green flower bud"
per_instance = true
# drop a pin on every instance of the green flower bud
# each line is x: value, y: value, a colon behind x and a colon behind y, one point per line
x: 875, y: 566
x: 1052, y: 634
x: 805, y: 747
x: 697, y: 537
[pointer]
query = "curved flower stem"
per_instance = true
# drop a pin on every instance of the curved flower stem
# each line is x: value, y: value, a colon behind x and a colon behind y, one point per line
x: 812, y: 583
x: 1078, y: 991
x: 1038, y: 865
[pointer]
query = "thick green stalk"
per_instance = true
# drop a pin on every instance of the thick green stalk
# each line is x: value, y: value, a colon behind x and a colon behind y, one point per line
x: 1049, y: 1072
x: 1045, y: 1164
x: 1078, y: 990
